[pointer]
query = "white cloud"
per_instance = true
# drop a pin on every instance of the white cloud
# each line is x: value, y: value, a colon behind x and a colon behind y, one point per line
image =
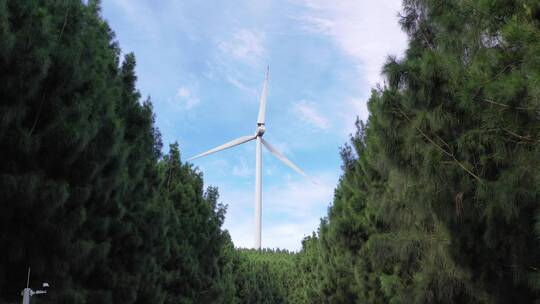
x: 246, y: 45
x: 186, y: 97
x: 300, y: 197
x: 358, y: 107
x: 367, y: 31
x: 310, y: 114
x: 223, y: 69
x: 289, y: 235
x: 283, y: 235
x: 291, y: 211
x: 364, y: 31
x: 238, y: 84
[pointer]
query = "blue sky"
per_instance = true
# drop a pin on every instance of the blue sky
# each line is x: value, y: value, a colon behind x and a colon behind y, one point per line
x: 203, y: 63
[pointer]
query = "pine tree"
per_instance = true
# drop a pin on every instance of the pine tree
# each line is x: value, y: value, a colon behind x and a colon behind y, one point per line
x: 194, y: 254
x: 439, y: 194
x: 87, y: 200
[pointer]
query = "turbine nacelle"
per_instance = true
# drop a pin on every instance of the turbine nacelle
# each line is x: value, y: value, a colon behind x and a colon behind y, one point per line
x: 260, y: 130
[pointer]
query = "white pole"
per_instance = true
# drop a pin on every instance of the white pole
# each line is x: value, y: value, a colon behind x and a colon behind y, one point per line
x: 27, y: 292
x: 258, y: 193
x: 26, y: 295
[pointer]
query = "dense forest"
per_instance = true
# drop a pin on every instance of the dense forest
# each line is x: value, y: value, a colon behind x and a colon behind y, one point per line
x: 438, y: 201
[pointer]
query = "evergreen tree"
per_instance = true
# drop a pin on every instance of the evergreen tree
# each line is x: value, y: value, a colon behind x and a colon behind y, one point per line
x: 437, y: 203
x: 194, y: 254
x: 87, y: 200
x: 438, y: 198
x: 61, y: 145
x: 264, y: 276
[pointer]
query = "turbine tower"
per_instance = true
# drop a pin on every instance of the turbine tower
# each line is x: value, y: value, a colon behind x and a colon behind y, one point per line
x: 258, y: 158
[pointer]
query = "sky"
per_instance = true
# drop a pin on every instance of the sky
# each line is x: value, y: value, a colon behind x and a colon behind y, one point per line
x: 203, y: 65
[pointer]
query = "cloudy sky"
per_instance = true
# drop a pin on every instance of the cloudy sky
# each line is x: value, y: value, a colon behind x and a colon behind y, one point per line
x: 203, y: 63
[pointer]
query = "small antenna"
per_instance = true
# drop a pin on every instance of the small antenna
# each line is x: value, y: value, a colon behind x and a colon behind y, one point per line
x: 28, y: 278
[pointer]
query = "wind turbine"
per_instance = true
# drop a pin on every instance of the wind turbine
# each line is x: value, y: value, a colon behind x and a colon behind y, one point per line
x: 258, y: 157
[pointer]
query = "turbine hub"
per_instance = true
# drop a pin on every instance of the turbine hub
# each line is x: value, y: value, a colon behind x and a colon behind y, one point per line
x: 260, y: 129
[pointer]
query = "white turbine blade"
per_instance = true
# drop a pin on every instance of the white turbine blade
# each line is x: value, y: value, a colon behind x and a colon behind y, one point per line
x: 230, y: 144
x: 282, y: 158
x: 262, y: 103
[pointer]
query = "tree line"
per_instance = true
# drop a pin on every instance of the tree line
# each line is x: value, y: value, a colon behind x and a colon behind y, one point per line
x: 440, y: 192
x: 437, y: 202
x: 87, y: 199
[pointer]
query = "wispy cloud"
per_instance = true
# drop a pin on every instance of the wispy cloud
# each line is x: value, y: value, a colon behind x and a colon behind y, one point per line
x: 367, y: 31
x: 240, y: 85
x: 311, y: 115
x: 194, y: 61
x: 289, y: 235
x: 291, y: 211
x: 186, y: 97
x: 354, y: 107
x: 224, y: 69
x: 301, y: 197
x: 246, y: 45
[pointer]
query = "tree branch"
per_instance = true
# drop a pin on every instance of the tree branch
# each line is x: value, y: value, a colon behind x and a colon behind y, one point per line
x: 449, y: 154
x: 505, y: 105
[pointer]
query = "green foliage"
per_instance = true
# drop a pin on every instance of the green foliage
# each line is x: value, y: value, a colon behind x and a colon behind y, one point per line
x: 193, y: 245
x: 438, y: 202
x: 265, y: 276
x: 87, y: 200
